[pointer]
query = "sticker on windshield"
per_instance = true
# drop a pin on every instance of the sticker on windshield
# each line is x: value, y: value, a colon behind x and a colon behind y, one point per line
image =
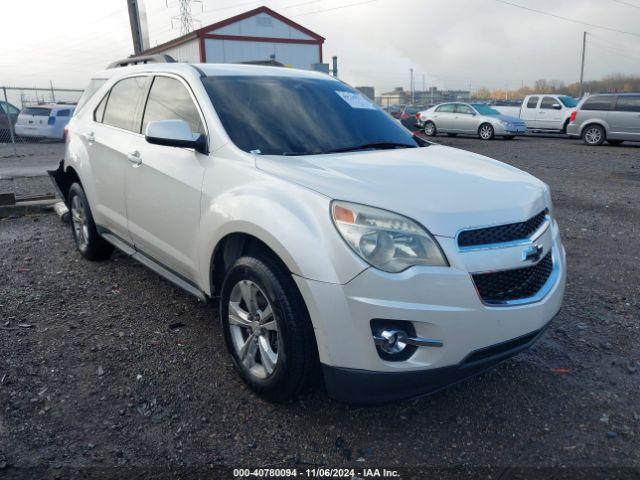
x: 355, y: 100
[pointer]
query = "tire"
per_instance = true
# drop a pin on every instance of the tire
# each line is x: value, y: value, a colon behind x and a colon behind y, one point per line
x: 486, y: 131
x: 88, y: 241
x: 594, y: 135
x: 430, y: 129
x: 282, y: 359
x: 509, y: 137
x: 452, y: 134
x: 615, y: 142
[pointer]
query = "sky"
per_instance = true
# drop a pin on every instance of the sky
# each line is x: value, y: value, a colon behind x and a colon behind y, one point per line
x: 455, y: 44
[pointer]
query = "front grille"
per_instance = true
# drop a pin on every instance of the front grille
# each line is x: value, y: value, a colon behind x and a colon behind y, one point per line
x: 508, y: 285
x: 501, y: 233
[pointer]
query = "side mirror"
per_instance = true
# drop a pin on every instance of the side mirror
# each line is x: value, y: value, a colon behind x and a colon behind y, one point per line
x: 175, y: 133
x: 556, y: 106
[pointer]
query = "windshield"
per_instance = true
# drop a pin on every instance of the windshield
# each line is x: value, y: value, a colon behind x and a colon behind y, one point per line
x: 568, y: 102
x: 484, y: 109
x: 274, y: 115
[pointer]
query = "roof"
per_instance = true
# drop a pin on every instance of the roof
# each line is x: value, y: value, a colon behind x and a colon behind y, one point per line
x: 201, y: 32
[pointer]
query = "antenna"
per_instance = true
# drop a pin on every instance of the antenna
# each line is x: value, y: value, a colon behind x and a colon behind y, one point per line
x: 185, y: 18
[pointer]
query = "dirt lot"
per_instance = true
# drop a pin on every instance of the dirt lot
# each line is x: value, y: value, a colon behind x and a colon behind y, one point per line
x: 108, y: 365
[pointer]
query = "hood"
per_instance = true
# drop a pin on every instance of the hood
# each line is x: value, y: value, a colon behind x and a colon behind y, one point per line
x: 443, y: 188
x: 507, y: 118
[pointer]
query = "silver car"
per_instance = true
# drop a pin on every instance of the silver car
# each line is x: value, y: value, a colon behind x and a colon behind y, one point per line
x: 613, y: 118
x: 471, y: 119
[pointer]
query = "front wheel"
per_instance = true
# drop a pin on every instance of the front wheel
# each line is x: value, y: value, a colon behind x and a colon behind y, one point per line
x: 594, y: 135
x: 486, y: 131
x: 267, y: 329
x: 88, y: 241
x: 430, y: 129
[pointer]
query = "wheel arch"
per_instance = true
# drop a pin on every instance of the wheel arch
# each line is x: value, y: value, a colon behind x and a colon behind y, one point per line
x: 595, y: 121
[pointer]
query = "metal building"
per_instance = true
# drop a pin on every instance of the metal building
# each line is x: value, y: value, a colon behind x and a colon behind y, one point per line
x: 259, y: 35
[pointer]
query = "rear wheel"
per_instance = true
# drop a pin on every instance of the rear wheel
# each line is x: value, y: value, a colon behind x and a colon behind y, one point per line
x: 430, y: 129
x: 88, y: 241
x: 486, y: 131
x: 267, y: 329
x: 594, y: 135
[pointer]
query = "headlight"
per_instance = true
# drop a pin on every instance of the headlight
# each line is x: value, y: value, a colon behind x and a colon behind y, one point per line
x: 504, y: 123
x: 385, y: 240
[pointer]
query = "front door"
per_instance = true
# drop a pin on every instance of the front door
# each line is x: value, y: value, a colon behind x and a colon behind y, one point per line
x: 164, y: 188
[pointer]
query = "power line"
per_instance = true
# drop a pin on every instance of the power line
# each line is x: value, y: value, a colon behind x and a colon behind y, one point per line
x: 567, y: 19
x: 622, y: 2
x: 335, y: 8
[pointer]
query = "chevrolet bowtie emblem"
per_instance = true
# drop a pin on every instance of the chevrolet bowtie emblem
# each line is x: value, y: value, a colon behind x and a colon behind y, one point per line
x: 533, y: 253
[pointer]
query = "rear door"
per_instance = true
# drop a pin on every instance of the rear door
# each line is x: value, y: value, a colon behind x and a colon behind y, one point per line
x: 113, y: 134
x: 624, y: 119
x: 164, y: 191
x: 443, y: 117
x: 529, y: 112
x: 550, y: 114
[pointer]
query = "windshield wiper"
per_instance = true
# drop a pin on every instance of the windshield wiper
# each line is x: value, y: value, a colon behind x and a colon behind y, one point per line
x: 373, y: 145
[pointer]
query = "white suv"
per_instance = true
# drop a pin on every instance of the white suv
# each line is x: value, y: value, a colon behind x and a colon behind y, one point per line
x: 335, y: 243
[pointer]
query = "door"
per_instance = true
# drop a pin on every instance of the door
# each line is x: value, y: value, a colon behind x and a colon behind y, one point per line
x: 624, y: 119
x: 529, y: 112
x: 550, y: 114
x: 108, y: 138
x: 443, y: 117
x: 465, y: 119
x: 163, y: 192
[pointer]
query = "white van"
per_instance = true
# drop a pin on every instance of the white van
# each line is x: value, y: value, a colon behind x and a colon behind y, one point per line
x: 44, y: 121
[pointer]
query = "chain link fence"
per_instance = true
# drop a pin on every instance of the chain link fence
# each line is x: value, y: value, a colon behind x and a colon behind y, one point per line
x: 31, y: 116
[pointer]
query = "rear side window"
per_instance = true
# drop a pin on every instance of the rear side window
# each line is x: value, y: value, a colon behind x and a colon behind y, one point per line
x: 37, y: 111
x: 170, y: 100
x: 548, y: 103
x: 122, y: 106
x: 63, y: 113
x: 446, y: 108
x: 630, y: 103
x: 533, y: 102
x: 597, y: 103
x: 92, y: 88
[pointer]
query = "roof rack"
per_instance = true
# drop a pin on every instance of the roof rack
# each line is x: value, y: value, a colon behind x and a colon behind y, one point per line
x: 143, y: 59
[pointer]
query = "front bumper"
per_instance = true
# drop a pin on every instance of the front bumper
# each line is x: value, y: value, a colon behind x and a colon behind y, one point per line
x: 363, y: 387
x: 440, y: 302
x: 511, y: 130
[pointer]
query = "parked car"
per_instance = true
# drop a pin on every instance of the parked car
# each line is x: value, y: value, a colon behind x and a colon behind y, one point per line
x: 543, y: 112
x: 44, y: 121
x: 8, y: 116
x: 471, y: 119
x: 613, y: 118
x: 387, y: 264
x: 409, y: 116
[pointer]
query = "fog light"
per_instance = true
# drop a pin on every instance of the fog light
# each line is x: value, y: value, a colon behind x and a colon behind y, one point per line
x: 391, y: 341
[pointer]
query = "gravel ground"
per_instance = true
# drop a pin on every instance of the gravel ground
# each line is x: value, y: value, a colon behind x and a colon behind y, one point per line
x: 105, y: 364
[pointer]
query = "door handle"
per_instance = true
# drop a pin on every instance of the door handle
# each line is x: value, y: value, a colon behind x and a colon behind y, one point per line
x: 134, y: 158
x: 91, y: 138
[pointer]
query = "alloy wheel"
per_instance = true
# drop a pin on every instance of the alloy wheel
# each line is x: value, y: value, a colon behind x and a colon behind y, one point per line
x: 254, y: 330
x: 593, y: 135
x: 429, y: 129
x: 486, y: 132
x: 78, y: 218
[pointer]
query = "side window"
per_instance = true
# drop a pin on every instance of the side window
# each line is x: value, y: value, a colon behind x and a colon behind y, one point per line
x: 170, y: 100
x: 598, y: 103
x: 466, y: 109
x: 98, y: 114
x: 533, y: 102
x: 448, y: 108
x: 628, y: 103
x: 63, y: 113
x: 122, y: 107
x: 547, y: 103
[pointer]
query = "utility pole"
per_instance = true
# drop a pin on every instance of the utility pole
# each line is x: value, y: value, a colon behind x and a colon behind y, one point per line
x: 138, y: 21
x: 584, y: 49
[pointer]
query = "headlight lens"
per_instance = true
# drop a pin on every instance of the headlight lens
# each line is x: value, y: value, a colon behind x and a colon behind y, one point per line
x: 385, y: 240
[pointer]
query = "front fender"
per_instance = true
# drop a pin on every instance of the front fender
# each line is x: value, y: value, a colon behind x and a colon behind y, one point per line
x: 293, y: 221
